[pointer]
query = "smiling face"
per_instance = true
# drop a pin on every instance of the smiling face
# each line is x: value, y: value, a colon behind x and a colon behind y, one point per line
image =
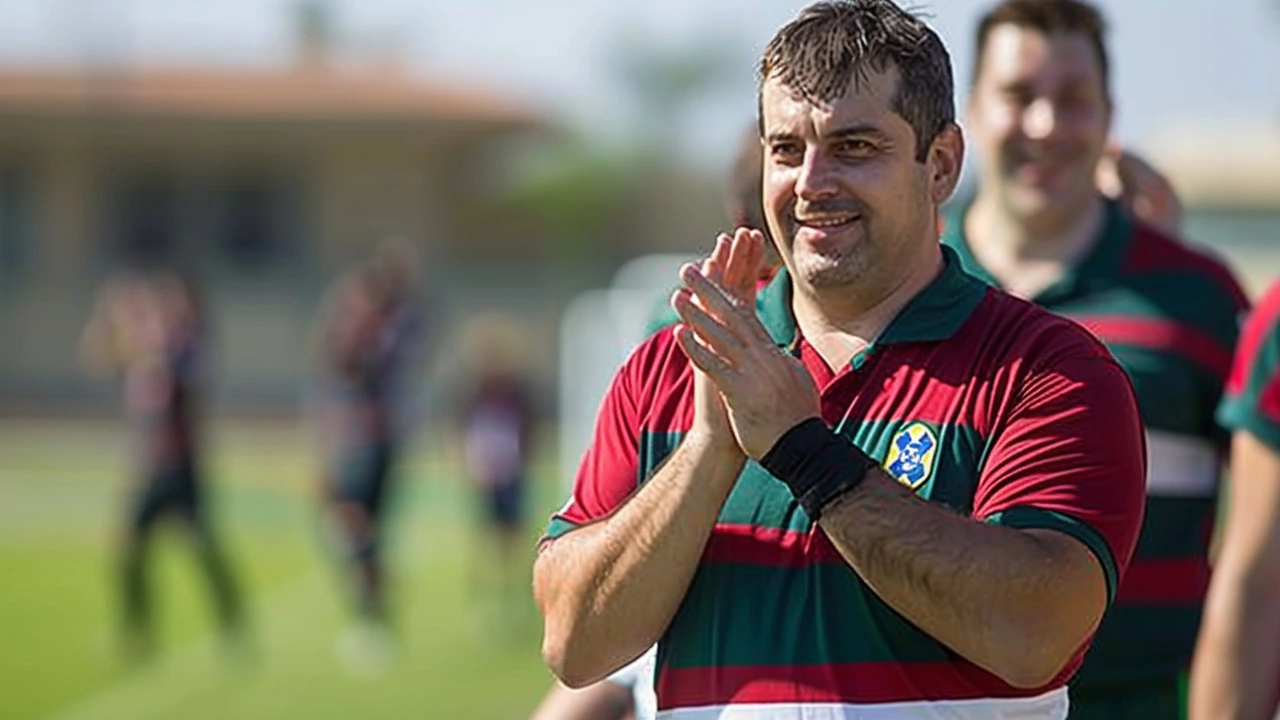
x: 1040, y: 115
x: 847, y: 202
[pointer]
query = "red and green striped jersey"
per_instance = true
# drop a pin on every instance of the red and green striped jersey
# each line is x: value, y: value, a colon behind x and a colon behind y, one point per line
x: 984, y: 404
x: 1252, y: 400
x: 1170, y: 316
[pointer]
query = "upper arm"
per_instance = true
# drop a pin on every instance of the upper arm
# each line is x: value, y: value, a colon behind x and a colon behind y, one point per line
x: 1251, y: 543
x: 1077, y: 564
x: 1070, y: 457
x: 1251, y: 408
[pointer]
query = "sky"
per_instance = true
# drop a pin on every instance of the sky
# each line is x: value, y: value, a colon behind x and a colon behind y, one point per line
x: 1175, y: 61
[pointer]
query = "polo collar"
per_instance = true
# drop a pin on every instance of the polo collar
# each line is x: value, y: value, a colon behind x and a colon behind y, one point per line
x: 1102, y: 264
x: 933, y: 315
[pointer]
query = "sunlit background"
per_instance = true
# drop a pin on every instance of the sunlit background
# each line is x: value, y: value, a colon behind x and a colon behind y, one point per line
x: 552, y: 158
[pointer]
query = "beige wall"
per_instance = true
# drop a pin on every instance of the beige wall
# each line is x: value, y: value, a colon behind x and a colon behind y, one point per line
x: 364, y: 191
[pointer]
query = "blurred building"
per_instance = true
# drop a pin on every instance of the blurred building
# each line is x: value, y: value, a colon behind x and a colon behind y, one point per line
x: 269, y: 181
x: 266, y: 182
x: 1228, y: 175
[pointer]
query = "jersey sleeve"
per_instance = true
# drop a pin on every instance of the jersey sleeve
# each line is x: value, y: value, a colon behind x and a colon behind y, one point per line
x: 1252, y: 398
x: 610, y: 469
x: 1227, y: 329
x: 1070, y: 456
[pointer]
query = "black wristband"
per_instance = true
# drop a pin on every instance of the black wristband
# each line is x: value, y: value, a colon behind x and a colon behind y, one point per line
x: 817, y: 464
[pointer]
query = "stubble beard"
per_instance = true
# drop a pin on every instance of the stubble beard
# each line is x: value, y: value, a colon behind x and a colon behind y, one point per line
x: 833, y: 270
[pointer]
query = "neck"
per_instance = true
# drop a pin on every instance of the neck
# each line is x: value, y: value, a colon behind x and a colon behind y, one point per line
x: 840, y: 323
x: 1026, y: 256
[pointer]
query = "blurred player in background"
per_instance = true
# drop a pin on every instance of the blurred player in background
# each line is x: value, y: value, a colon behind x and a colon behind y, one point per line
x: 1039, y: 227
x: 496, y: 423
x: 367, y: 349
x: 150, y: 332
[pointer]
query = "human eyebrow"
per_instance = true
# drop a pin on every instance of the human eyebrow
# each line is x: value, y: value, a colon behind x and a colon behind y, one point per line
x: 775, y: 138
x: 860, y: 131
x: 1017, y: 88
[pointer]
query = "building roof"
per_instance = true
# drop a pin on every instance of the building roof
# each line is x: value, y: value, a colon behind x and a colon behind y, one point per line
x: 263, y: 95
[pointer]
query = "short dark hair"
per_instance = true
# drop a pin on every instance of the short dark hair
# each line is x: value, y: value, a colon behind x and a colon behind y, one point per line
x: 831, y: 44
x: 1051, y: 17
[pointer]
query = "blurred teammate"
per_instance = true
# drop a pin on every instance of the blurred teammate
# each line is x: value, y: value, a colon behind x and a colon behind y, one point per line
x: 1038, y: 226
x: 1236, y: 675
x: 151, y: 333
x: 368, y: 341
x: 496, y: 421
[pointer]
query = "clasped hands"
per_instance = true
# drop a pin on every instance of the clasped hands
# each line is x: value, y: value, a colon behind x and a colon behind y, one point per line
x: 747, y: 391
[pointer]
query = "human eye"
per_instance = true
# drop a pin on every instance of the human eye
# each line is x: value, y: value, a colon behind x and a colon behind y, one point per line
x: 785, y: 151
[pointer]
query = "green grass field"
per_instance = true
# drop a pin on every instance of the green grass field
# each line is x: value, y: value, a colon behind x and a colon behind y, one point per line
x: 60, y: 500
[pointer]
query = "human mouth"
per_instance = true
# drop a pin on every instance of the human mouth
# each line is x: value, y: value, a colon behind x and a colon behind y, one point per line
x: 818, y: 231
x: 1040, y: 167
x: 826, y: 222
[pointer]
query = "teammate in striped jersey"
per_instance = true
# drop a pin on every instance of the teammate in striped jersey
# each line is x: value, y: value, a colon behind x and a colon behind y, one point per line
x: 1237, y: 666
x: 1038, y: 227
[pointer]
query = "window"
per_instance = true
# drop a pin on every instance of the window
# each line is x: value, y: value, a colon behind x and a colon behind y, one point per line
x: 240, y: 221
x: 256, y: 220
x: 144, y: 217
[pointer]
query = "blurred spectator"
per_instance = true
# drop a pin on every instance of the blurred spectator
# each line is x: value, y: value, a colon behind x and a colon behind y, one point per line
x: 151, y: 334
x: 1038, y: 226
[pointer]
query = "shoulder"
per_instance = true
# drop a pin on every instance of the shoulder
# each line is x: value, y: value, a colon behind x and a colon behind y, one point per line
x: 1261, y: 330
x: 1031, y: 333
x: 1266, y: 315
x: 655, y: 369
x: 1152, y: 252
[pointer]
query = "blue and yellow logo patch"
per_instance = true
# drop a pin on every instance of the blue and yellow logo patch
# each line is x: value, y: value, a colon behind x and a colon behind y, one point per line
x: 911, y: 454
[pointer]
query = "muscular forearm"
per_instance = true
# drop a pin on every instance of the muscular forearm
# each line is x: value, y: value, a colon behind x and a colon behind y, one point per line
x: 1017, y: 603
x: 1238, y: 658
x: 608, y: 590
